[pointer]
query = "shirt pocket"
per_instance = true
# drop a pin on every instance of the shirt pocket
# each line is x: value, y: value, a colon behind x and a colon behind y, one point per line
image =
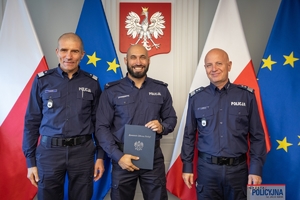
x: 205, y: 119
x: 238, y: 118
x: 50, y: 101
x: 124, y: 107
x: 154, y: 106
x: 84, y: 102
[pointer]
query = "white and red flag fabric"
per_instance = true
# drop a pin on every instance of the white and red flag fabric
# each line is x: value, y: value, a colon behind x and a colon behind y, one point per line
x: 21, y: 58
x: 227, y: 33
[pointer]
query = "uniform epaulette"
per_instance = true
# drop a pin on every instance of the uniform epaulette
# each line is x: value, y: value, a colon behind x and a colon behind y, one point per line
x: 44, y: 73
x: 94, y: 77
x: 245, y: 87
x: 160, y: 82
x: 107, y: 85
x: 91, y: 76
x: 196, y: 91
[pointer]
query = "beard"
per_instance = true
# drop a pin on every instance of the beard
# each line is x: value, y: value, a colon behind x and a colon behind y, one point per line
x: 137, y: 74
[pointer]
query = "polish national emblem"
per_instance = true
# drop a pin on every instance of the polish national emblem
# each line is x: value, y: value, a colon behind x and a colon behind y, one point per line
x: 152, y: 30
x: 138, y: 145
x: 144, y: 31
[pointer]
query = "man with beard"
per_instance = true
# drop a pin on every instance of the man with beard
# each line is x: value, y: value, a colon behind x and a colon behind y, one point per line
x: 136, y: 100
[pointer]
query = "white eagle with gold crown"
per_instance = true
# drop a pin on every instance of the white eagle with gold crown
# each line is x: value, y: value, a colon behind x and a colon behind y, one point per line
x: 144, y: 30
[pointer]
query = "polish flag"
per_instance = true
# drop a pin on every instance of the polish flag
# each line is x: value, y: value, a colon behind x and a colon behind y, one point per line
x: 21, y: 58
x: 227, y: 33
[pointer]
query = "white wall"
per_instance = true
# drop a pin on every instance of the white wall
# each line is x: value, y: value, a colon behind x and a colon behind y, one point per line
x: 191, y: 20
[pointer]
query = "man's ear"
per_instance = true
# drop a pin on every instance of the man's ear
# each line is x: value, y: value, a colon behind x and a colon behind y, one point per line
x: 125, y: 60
x: 229, y: 65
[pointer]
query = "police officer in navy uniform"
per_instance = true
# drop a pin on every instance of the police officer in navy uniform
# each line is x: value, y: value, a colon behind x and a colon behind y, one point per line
x: 225, y: 115
x: 136, y: 100
x: 62, y: 113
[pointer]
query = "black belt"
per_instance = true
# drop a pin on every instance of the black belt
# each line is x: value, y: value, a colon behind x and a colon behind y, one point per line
x: 121, y: 145
x: 222, y: 160
x: 63, y: 142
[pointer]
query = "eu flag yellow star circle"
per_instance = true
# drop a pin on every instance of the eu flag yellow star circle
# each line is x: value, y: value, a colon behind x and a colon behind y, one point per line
x: 290, y: 59
x: 93, y: 60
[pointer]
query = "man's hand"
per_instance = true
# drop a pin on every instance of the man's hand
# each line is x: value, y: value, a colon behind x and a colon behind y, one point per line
x: 125, y: 162
x: 188, y: 179
x: 254, y: 179
x: 98, y: 169
x: 32, y: 175
x: 155, y: 125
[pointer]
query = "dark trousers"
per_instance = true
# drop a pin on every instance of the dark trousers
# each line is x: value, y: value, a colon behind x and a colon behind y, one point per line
x: 54, y: 162
x: 152, y: 182
x: 221, y: 182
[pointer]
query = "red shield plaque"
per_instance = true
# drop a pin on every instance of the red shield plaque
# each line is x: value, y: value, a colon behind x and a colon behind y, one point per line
x: 148, y: 24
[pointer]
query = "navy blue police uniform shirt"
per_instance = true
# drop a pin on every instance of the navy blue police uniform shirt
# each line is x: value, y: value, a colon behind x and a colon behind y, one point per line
x: 60, y: 107
x: 223, y: 119
x: 122, y: 103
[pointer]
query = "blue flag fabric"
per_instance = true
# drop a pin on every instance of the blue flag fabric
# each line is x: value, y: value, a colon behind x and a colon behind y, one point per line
x: 278, y: 79
x: 101, y: 60
x: 100, y: 55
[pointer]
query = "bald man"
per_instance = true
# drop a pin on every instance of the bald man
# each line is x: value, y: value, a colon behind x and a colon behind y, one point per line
x: 136, y: 100
x: 62, y: 113
x: 226, y: 117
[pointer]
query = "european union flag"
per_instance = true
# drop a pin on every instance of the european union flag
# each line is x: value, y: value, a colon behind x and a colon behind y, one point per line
x: 101, y: 60
x: 100, y: 55
x: 278, y: 79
